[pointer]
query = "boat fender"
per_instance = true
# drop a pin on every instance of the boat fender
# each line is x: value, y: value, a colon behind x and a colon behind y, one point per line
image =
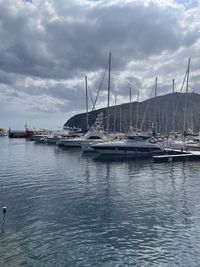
x: 4, y: 210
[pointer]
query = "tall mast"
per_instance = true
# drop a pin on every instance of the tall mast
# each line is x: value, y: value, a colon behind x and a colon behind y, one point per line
x: 108, y: 113
x: 137, y: 111
x: 156, y: 85
x: 188, y: 74
x: 130, y: 111
x: 115, y: 114
x: 86, y: 96
x: 173, y: 86
x: 187, y: 83
x: 173, y: 113
x: 120, y: 119
x: 155, y: 111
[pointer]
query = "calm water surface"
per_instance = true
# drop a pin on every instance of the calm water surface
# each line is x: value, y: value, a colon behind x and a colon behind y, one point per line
x: 65, y: 209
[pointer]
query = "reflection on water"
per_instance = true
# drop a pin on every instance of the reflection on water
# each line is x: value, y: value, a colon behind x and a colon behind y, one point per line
x: 68, y: 209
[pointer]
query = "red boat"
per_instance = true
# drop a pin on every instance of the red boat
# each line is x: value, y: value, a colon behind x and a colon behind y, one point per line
x: 20, y: 134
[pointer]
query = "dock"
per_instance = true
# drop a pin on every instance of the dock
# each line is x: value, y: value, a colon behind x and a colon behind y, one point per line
x: 189, y: 156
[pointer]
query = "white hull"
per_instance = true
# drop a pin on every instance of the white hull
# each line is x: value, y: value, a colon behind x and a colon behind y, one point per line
x: 40, y: 138
x: 76, y: 142
x: 3, y: 134
x: 52, y: 139
x: 137, y: 149
x: 86, y: 146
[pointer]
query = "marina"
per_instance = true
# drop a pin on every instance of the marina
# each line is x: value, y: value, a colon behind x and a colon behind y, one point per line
x: 99, y: 133
x: 127, y: 146
x: 69, y: 209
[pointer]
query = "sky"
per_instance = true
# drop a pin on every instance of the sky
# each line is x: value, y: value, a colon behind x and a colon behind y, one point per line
x: 47, y: 48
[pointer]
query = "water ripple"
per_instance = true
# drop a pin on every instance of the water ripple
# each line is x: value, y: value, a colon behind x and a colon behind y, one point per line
x: 67, y: 210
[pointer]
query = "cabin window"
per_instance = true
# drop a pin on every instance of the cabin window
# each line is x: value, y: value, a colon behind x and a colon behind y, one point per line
x: 94, y: 137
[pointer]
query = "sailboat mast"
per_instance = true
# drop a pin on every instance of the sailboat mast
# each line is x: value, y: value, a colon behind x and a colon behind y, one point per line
x: 156, y: 85
x: 115, y: 114
x: 173, y: 113
x: 188, y: 74
x: 86, y: 96
x: 155, y: 110
x: 186, y: 96
x: 173, y: 86
x: 120, y: 119
x: 108, y: 112
x: 130, y: 110
x: 137, y: 111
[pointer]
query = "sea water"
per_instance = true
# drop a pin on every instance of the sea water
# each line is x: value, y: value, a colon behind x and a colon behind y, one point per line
x: 69, y: 209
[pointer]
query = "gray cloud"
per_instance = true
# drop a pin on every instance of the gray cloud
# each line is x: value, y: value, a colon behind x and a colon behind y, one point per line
x: 79, y: 41
x: 6, y: 78
x: 48, y: 46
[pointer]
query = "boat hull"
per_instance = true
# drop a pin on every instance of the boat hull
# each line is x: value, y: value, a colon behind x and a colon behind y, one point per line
x: 3, y: 134
x: 20, y: 134
x: 126, y: 149
x: 76, y: 143
x: 86, y: 145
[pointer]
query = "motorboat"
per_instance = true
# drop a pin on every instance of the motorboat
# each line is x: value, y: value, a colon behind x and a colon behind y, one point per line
x: 95, y: 135
x: 52, y: 139
x: 70, y: 142
x: 56, y: 136
x: 3, y: 132
x: 40, y: 136
x: 84, y: 142
x: 70, y: 139
x: 91, y: 138
x: 134, y: 145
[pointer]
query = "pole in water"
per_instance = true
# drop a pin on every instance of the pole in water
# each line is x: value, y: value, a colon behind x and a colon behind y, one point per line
x: 4, y: 216
x: 4, y: 209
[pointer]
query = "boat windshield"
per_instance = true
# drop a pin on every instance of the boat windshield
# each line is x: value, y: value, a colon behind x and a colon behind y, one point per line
x: 136, y: 137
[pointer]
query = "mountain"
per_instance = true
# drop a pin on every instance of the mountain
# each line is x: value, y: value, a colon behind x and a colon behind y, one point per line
x: 165, y: 113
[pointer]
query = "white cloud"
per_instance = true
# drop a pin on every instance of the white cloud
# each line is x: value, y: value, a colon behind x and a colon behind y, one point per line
x: 47, y: 47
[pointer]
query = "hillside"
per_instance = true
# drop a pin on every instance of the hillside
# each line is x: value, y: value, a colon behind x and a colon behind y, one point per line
x: 165, y: 112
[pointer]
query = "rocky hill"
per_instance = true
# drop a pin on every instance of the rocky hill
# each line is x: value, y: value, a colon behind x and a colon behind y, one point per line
x: 171, y: 112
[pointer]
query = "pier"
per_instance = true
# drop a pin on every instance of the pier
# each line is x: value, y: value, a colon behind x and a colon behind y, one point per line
x: 177, y: 155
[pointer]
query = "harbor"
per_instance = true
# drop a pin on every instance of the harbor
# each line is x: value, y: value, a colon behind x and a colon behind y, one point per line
x: 75, y: 204
x: 99, y: 133
x: 128, y: 146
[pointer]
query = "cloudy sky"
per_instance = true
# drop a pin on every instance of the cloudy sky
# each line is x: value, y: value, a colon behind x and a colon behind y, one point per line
x: 48, y: 46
